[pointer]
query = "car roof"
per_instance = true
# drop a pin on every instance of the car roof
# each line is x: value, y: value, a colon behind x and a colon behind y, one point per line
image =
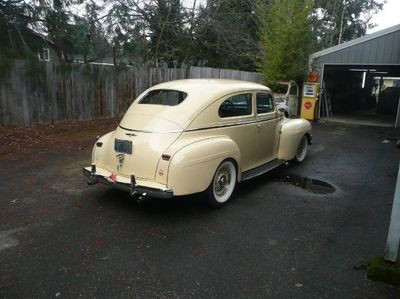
x: 200, y: 94
x: 215, y: 86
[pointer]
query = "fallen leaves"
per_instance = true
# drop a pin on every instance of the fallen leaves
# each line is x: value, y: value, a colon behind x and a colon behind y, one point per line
x: 15, y: 141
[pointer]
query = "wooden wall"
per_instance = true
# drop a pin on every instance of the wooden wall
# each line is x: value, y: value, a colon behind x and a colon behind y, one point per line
x: 48, y: 92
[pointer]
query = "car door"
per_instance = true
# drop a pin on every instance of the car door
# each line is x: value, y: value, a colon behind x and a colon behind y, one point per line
x: 238, y: 122
x: 267, y: 128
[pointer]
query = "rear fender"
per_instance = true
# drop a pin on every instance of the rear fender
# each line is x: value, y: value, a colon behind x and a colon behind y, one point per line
x: 291, y: 133
x: 99, y: 152
x: 192, y: 168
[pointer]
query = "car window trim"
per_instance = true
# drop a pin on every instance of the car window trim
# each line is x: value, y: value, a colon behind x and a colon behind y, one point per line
x: 265, y: 113
x: 161, y: 89
x: 252, y: 114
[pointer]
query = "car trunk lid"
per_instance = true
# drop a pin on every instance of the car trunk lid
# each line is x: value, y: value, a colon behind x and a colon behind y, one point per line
x: 137, y: 152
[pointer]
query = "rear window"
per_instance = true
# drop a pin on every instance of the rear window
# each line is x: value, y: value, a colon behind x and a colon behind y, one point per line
x: 165, y: 97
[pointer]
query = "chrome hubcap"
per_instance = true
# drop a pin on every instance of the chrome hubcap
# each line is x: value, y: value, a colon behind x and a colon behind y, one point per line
x: 222, y: 181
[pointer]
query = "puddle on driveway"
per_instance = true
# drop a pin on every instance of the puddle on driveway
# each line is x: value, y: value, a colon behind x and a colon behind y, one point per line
x: 312, y: 185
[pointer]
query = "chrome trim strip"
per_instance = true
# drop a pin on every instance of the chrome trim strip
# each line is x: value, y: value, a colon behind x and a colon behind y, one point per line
x: 231, y: 125
x: 147, y: 131
x: 205, y: 128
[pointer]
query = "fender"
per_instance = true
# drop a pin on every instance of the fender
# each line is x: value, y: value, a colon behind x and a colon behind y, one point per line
x: 99, y: 153
x: 193, y: 166
x: 291, y: 132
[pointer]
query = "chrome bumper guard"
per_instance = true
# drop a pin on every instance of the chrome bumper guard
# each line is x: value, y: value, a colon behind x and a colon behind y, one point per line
x: 133, y: 189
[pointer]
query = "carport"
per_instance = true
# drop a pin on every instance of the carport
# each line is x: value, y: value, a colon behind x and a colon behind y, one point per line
x: 360, y: 79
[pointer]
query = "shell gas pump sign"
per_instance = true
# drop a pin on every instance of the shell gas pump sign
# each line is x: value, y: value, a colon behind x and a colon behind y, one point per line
x: 309, y: 100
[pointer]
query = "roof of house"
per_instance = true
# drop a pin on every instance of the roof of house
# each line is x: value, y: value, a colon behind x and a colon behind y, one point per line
x: 356, y: 41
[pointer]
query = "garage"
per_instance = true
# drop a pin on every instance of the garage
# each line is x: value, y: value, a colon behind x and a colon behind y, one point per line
x: 360, y: 79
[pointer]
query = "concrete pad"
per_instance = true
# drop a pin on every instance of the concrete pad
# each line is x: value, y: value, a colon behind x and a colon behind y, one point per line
x: 357, y: 122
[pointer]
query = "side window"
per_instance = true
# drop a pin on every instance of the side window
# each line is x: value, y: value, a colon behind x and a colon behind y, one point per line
x: 237, y: 105
x: 293, y: 90
x: 265, y: 103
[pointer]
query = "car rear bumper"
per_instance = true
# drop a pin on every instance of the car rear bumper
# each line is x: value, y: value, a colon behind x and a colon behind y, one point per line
x: 131, y: 186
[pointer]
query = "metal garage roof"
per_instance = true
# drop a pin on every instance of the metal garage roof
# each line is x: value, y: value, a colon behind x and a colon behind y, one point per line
x: 381, y: 47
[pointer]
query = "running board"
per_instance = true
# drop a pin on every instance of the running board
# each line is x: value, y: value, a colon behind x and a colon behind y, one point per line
x: 261, y: 169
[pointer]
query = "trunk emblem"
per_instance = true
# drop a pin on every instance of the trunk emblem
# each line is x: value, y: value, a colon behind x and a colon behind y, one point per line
x: 120, y: 160
x: 130, y: 134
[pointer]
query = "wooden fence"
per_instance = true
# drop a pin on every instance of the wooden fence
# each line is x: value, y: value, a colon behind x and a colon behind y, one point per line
x: 47, y: 92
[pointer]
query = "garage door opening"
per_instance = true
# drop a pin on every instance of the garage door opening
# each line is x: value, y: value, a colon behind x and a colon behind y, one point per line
x: 360, y: 94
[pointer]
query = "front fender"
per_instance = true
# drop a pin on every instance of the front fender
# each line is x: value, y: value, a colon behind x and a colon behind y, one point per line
x: 192, y: 167
x: 291, y: 132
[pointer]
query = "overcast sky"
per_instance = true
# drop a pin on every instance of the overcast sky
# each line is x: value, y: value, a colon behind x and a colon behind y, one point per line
x: 389, y: 16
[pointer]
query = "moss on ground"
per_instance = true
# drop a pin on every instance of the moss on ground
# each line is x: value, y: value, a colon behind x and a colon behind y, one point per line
x: 381, y: 270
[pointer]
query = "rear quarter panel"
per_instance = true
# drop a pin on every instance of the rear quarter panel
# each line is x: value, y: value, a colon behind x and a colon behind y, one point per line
x: 192, y: 167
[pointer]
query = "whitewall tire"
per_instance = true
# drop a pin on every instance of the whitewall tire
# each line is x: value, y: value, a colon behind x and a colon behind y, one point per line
x: 223, y: 184
x: 302, y: 150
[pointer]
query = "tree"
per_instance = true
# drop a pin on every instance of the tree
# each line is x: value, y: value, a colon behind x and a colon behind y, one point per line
x: 15, y: 34
x: 93, y: 43
x: 337, y: 21
x: 150, y: 30
x: 226, y: 34
x: 285, y: 34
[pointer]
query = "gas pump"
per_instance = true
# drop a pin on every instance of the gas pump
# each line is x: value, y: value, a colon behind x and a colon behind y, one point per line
x: 309, y: 98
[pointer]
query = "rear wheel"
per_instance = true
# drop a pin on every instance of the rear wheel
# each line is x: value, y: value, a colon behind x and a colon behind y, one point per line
x: 302, y: 150
x: 223, y: 184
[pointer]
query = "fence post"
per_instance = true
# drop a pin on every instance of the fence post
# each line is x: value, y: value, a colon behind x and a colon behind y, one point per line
x: 392, y: 245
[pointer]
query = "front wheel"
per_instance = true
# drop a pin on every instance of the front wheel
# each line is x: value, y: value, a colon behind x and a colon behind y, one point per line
x: 302, y: 150
x: 222, y: 185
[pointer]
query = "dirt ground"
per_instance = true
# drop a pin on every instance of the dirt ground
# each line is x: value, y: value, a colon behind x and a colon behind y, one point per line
x: 16, y: 141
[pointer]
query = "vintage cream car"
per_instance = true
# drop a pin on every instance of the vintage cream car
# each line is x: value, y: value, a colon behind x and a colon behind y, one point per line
x: 189, y: 136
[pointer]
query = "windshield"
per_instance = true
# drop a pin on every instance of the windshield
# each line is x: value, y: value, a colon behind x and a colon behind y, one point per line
x: 165, y: 97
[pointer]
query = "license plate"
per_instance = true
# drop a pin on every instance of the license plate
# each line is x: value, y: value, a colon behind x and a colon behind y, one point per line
x: 123, y: 146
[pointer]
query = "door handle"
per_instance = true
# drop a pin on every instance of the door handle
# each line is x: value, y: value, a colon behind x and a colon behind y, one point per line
x: 259, y: 126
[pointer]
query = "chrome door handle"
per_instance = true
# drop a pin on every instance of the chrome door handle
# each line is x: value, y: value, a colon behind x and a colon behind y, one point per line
x: 258, y: 126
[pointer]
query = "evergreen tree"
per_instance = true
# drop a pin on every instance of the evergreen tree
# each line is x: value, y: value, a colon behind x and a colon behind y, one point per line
x: 285, y: 34
x: 337, y: 21
x: 226, y: 34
